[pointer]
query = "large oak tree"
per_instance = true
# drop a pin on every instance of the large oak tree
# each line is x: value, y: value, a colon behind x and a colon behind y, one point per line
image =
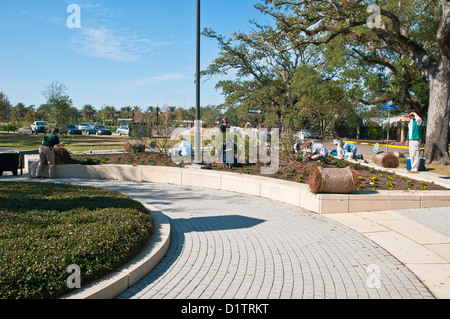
x: 416, y: 30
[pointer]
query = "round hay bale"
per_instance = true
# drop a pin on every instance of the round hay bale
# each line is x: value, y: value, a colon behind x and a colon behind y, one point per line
x: 127, y: 147
x: 137, y: 147
x: 386, y: 160
x: 315, y: 180
x: 63, y: 157
x: 332, y: 180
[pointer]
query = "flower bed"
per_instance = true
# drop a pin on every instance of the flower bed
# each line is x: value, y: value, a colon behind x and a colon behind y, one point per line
x: 290, y: 170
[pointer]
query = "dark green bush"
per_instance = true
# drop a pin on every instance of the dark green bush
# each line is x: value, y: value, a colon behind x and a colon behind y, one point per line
x: 11, y: 127
x: 46, y: 227
x: 375, y: 132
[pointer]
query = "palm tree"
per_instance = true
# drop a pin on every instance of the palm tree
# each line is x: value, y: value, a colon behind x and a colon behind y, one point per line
x: 108, y: 113
x: 88, y: 112
x: 172, y: 111
x: 18, y: 112
x: 126, y: 112
x: 149, y: 114
x: 191, y: 114
x: 158, y: 111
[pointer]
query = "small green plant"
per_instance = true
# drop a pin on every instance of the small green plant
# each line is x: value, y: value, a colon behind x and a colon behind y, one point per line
x: 389, y: 185
x: 409, y: 184
x: 359, y: 185
x: 373, y: 182
x: 300, y: 179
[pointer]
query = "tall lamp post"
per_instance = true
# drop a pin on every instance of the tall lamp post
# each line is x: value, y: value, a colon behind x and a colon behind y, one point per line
x: 197, y: 151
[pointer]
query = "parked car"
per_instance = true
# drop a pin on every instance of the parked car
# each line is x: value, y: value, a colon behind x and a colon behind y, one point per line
x: 70, y: 129
x: 312, y: 134
x: 124, y: 130
x: 84, y: 126
x: 39, y: 127
x: 98, y: 130
x: 307, y: 134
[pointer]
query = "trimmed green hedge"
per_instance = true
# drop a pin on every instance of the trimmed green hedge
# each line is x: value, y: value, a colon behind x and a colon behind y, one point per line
x: 46, y: 227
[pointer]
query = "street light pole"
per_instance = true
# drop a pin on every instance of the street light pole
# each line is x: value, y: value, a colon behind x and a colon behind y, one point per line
x: 197, y: 151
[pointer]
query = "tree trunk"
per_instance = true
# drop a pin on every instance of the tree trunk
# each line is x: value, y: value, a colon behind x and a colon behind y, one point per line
x: 436, y: 149
x: 358, y: 129
x: 279, y: 119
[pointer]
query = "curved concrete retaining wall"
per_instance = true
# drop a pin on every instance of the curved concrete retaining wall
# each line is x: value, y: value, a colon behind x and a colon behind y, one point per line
x: 283, y: 191
x: 126, y: 276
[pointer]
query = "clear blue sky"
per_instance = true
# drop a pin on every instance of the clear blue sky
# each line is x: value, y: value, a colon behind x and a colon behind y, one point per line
x: 126, y: 53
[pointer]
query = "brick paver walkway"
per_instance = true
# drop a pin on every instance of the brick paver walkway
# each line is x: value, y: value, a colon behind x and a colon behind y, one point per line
x: 227, y: 245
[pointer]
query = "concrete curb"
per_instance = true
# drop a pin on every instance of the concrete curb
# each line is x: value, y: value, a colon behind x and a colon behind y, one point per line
x: 123, y: 278
x: 278, y: 190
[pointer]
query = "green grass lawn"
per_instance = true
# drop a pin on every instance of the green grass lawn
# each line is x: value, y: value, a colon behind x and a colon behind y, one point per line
x: 46, y: 227
x: 433, y: 168
x: 73, y: 142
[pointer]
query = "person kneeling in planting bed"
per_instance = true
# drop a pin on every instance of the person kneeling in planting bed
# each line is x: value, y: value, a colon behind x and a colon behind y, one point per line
x: 343, y: 148
x: 318, y: 151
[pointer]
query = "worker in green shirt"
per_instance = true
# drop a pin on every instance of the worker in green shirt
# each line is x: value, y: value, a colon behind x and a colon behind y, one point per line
x: 46, y: 153
x: 414, y: 139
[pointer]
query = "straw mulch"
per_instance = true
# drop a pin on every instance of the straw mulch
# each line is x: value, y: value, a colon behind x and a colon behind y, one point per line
x: 386, y: 160
x: 63, y: 157
x: 134, y: 147
x: 332, y: 180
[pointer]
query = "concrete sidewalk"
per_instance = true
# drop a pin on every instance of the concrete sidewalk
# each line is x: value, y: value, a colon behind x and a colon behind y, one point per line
x: 419, y: 239
x: 226, y: 245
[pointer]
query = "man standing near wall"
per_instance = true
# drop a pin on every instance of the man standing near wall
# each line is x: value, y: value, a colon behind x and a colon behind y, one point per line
x: 46, y: 153
x: 414, y: 140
